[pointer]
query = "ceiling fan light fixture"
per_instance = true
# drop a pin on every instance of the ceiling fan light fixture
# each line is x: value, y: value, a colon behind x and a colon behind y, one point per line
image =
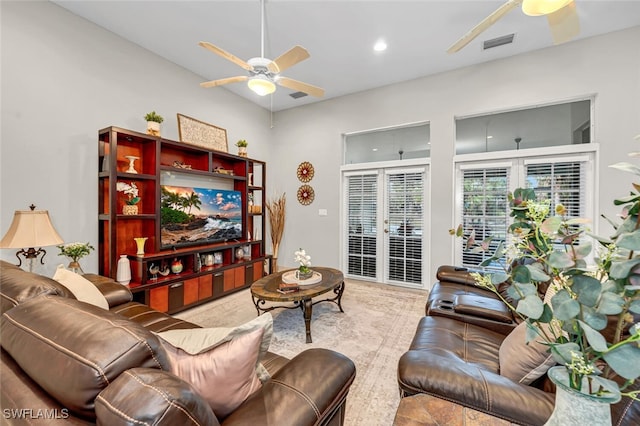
x: 543, y: 7
x: 261, y: 85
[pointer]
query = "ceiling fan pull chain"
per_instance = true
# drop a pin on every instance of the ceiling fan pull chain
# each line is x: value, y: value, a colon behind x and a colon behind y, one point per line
x: 262, y: 29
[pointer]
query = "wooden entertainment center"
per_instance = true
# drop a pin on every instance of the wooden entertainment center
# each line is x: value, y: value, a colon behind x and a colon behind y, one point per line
x: 159, y: 162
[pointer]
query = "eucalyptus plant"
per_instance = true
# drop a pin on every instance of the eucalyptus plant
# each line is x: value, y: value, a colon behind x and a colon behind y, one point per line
x: 586, y: 300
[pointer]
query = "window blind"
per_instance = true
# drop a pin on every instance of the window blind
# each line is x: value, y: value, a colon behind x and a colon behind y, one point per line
x: 405, y: 215
x: 362, y: 215
x: 485, y: 209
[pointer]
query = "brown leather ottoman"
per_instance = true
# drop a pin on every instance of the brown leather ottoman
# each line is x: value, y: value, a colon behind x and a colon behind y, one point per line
x: 427, y: 410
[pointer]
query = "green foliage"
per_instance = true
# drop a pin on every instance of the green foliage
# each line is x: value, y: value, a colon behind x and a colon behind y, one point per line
x: 169, y: 215
x: 75, y: 250
x: 551, y: 250
x: 242, y: 142
x: 152, y: 116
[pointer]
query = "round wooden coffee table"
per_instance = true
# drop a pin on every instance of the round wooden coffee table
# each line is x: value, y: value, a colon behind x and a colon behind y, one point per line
x: 266, y: 289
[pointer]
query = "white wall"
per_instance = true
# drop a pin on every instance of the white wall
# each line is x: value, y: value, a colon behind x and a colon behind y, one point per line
x: 63, y: 78
x: 606, y: 66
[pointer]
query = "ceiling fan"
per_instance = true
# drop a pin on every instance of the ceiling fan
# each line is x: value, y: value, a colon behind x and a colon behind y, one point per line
x: 561, y: 14
x: 263, y: 73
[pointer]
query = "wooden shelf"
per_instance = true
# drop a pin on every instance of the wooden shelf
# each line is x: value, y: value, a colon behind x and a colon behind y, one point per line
x: 156, y: 158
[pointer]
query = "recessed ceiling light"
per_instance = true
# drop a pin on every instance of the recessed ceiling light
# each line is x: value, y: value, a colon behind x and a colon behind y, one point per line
x: 380, y: 46
x: 374, y: 149
x: 489, y: 137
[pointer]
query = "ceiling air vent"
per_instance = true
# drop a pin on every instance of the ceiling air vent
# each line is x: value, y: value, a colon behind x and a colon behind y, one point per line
x: 297, y: 95
x: 498, y: 41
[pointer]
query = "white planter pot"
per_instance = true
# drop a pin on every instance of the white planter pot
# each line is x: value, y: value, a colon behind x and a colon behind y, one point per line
x: 153, y: 128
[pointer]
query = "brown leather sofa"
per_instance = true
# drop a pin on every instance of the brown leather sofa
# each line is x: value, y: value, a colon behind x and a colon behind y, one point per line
x: 69, y: 362
x: 455, y: 356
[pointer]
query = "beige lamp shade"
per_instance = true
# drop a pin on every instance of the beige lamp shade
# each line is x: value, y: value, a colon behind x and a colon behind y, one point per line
x: 30, y: 228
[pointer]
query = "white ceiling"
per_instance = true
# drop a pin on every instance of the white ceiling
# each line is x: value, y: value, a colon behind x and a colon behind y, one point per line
x: 339, y: 35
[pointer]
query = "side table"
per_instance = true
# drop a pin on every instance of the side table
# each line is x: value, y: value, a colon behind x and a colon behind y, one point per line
x: 427, y: 410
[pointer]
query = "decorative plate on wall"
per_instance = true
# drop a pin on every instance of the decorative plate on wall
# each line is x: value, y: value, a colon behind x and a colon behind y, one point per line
x: 305, y: 171
x: 305, y: 195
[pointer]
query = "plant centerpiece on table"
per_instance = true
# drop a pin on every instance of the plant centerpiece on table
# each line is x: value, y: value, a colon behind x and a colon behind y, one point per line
x: 242, y: 147
x: 304, y: 271
x: 153, y: 123
x: 584, y: 302
x: 131, y: 191
x: 75, y: 251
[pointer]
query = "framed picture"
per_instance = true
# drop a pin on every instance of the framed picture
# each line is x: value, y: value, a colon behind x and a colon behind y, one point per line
x: 196, y: 132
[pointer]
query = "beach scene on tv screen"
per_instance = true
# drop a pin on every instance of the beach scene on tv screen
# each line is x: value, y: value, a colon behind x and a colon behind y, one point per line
x: 192, y: 215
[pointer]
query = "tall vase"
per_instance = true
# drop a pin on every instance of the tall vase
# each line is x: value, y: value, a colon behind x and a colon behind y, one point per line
x: 140, y: 245
x: 577, y: 408
x: 123, y: 271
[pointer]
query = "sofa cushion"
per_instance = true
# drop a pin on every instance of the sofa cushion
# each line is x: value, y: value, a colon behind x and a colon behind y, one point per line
x: 17, y: 286
x: 524, y: 362
x: 81, y: 288
x: 150, y: 396
x: 222, y: 364
x: 80, y: 348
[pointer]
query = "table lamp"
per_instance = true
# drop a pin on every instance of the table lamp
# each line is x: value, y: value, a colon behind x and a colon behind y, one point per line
x: 30, y: 228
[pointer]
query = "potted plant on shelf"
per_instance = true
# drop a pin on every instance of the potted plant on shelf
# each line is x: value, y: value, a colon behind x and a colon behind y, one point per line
x: 242, y: 147
x: 583, y: 303
x: 132, y: 200
x: 75, y: 251
x: 153, y: 123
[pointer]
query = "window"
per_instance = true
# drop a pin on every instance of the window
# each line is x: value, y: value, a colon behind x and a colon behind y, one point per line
x: 561, y: 183
x: 561, y: 124
x: 398, y: 143
x: 483, y: 188
x: 362, y: 216
x: 405, y: 216
x: 484, y: 208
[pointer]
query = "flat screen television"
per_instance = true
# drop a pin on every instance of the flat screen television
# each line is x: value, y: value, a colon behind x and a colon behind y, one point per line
x: 193, y: 216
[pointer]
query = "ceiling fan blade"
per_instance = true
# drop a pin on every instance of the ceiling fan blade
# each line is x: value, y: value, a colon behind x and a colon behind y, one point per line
x: 564, y: 23
x: 288, y: 59
x: 228, y: 56
x: 300, y: 86
x: 222, y: 81
x: 482, y: 26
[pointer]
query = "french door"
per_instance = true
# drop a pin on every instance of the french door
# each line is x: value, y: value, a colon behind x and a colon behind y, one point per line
x: 384, y: 224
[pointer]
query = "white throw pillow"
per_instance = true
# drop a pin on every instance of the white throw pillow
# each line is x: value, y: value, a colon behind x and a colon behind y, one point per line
x: 82, y: 289
x: 222, y: 364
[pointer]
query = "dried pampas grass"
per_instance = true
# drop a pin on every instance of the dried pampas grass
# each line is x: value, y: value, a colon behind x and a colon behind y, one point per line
x: 276, y: 209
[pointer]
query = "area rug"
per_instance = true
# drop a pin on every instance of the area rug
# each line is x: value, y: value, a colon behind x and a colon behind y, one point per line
x: 374, y: 331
